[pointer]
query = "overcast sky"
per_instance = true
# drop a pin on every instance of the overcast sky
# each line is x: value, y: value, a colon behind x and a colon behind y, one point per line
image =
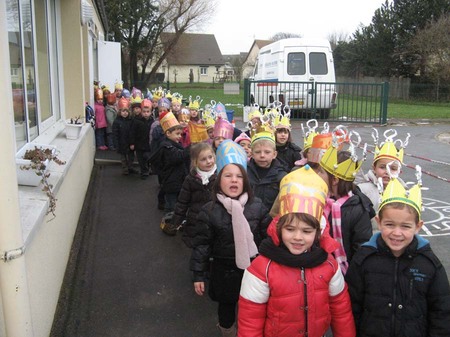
x: 238, y: 23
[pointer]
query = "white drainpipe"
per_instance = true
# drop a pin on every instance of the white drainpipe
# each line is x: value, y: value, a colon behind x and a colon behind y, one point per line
x: 13, y: 277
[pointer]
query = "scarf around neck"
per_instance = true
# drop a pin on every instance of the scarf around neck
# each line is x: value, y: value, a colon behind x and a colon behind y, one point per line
x: 205, y: 175
x: 244, y: 245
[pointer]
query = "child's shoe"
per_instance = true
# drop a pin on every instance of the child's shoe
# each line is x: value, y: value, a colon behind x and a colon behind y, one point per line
x: 103, y: 148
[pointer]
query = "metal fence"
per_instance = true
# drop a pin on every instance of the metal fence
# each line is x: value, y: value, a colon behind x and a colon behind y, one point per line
x: 336, y: 102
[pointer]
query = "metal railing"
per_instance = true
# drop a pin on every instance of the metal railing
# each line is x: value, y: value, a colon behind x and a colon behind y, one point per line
x: 336, y: 102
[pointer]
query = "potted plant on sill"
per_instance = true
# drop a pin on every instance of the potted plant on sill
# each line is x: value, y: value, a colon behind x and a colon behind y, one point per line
x: 32, y: 161
x: 73, y: 127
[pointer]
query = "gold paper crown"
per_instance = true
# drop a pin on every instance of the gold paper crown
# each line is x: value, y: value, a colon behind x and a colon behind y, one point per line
x: 194, y: 104
x: 136, y: 100
x: 197, y: 132
x: 303, y: 191
x: 347, y: 169
x: 177, y: 98
x: 396, y: 192
x: 168, y: 95
x: 208, y: 119
x: 118, y: 85
x: 254, y: 112
x: 158, y: 93
x: 388, y: 149
x: 167, y: 121
x: 283, y: 119
x: 267, y: 135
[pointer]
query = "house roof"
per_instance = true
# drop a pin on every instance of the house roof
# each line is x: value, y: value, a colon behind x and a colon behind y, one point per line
x: 258, y: 44
x: 194, y: 49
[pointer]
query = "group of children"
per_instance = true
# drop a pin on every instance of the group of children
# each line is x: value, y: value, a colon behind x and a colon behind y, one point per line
x: 339, y: 249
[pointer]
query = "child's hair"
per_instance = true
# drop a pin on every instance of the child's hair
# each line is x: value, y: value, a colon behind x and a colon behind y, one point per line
x: 195, y: 151
x: 297, y: 217
x: 246, y: 184
x: 400, y: 205
x: 343, y: 186
x: 264, y: 142
x: 282, y: 129
x: 173, y: 128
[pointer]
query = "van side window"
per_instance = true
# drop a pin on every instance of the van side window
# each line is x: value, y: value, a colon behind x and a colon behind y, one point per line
x: 296, y: 64
x: 318, y: 64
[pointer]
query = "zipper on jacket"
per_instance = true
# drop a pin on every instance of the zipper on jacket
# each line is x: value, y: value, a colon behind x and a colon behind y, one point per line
x: 394, y: 298
x: 305, y: 295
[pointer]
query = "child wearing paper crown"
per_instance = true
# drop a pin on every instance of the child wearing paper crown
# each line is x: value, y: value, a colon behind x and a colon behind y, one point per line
x: 111, y: 114
x: 222, y: 130
x: 121, y: 135
x: 348, y: 210
x: 173, y: 158
x: 397, y: 285
x: 100, y: 120
x: 229, y: 229
x: 295, y: 286
x: 384, y: 154
x: 245, y: 141
x: 196, y: 189
x: 264, y: 169
x: 287, y: 151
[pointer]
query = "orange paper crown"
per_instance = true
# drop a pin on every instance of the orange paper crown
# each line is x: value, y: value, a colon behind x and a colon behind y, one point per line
x: 389, y: 149
x: 167, y: 120
x: 303, y: 191
x: 197, y: 132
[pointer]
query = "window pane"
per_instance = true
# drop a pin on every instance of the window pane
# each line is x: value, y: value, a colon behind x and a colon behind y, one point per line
x: 42, y: 59
x: 296, y: 64
x: 318, y: 64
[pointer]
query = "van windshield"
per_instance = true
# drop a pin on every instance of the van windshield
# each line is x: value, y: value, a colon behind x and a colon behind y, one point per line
x: 318, y: 64
x: 296, y: 64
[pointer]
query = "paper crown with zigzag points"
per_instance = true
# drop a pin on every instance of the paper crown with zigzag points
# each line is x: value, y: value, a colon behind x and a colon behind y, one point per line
x: 390, y: 148
x: 396, y: 192
x: 347, y: 169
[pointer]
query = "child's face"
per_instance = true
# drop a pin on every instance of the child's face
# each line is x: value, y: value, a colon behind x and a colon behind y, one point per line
x: 100, y: 101
x: 217, y: 141
x: 124, y: 113
x: 246, y: 145
x: 381, y: 172
x: 256, y: 122
x: 118, y: 92
x: 206, y: 160
x: 146, y: 113
x: 398, y: 227
x: 282, y: 136
x: 211, y: 133
x: 194, y: 113
x: 232, y: 181
x: 176, y: 106
x: 298, y: 237
x: 263, y: 155
x: 137, y: 110
x: 154, y: 103
x: 174, y: 135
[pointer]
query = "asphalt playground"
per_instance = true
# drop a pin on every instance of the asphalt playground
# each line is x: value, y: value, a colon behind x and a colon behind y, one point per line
x: 126, y: 278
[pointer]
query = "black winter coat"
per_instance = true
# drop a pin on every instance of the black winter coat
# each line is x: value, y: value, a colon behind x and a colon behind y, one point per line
x: 408, y: 296
x: 266, y: 188
x: 214, y: 239
x: 193, y: 196
x: 356, y: 213
x: 121, y: 130
x: 288, y: 154
x: 175, y: 162
x: 140, y: 134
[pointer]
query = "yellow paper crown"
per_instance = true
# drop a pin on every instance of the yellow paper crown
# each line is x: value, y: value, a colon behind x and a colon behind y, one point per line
x: 267, y: 135
x: 347, y: 169
x: 389, y: 149
x: 396, y: 192
x: 254, y: 112
x: 197, y: 132
x: 308, y: 135
x: 177, y: 98
x: 208, y: 119
x: 118, y: 85
x: 194, y: 104
x: 158, y: 93
x: 283, y: 119
x: 303, y: 191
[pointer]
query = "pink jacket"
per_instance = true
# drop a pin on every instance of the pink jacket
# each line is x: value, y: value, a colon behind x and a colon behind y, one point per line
x: 282, y: 301
x: 100, y: 116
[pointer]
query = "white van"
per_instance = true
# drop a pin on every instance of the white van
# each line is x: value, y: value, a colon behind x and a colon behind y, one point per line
x: 299, y: 72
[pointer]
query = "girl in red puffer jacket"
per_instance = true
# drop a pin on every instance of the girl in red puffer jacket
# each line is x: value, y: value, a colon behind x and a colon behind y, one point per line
x: 295, y: 286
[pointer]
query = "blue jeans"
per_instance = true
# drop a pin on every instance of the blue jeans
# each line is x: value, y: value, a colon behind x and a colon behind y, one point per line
x: 171, y: 200
x: 100, y: 135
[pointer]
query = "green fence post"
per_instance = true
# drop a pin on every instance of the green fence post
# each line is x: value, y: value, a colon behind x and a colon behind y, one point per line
x: 168, y: 85
x: 246, y: 92
x: 384, y: 103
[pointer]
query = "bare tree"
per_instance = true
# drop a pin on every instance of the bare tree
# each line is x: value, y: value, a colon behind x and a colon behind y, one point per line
x: 336, y: 37
x: 138, y: 25
x: 281, y: 35
x: 432, y: 46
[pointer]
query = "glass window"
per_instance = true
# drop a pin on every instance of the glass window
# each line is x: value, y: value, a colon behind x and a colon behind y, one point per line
x: 318, y: 64
x: 203, y: 70
x: 296, y: 64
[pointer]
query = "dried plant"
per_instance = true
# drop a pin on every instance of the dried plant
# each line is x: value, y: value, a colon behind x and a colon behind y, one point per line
x: 38, y: 156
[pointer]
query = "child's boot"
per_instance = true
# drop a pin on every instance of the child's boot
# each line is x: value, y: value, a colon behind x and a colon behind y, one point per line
x: 228, y: 332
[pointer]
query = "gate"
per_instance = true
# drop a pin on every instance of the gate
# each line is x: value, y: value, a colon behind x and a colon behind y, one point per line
x: 336, y: 102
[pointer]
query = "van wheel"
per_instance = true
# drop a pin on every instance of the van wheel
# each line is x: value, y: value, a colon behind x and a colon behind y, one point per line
x: 324, y: 113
